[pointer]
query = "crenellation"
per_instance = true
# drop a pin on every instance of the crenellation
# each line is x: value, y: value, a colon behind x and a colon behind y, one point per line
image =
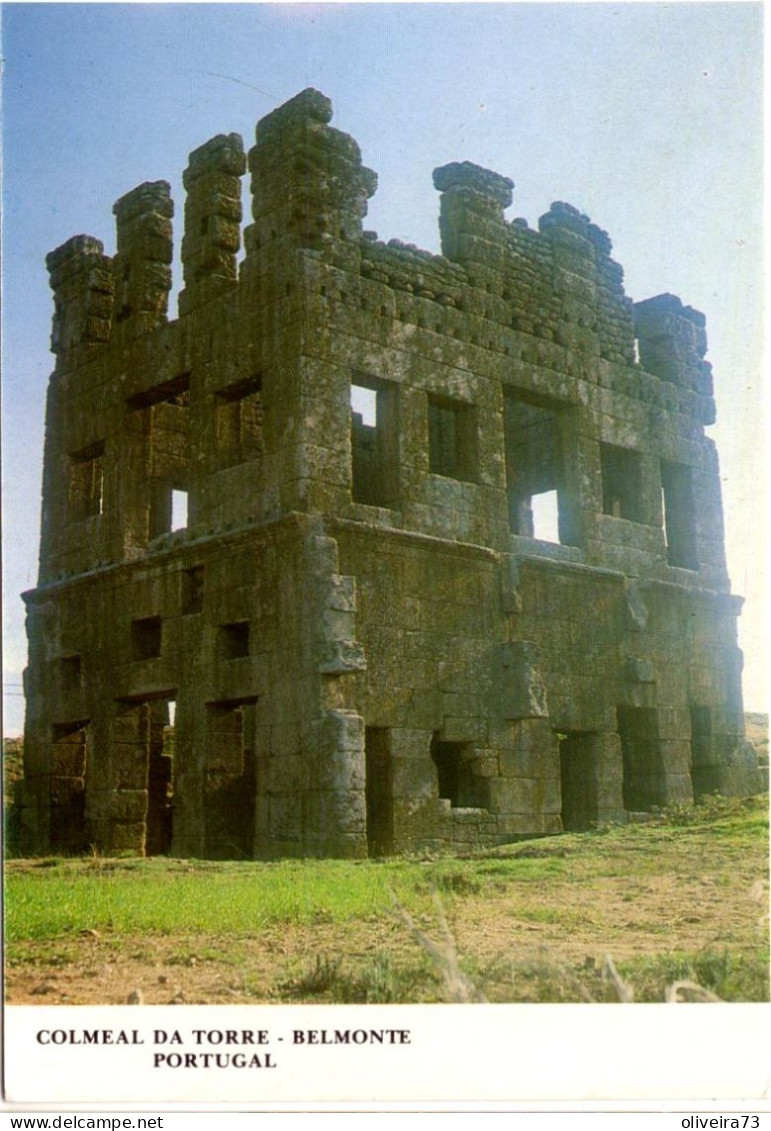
x: 81, y: 280
x: 673, y: 342
x: 418, y: 550
x: 308, y: 183
x: 142, y: 263
x: 213, y: 217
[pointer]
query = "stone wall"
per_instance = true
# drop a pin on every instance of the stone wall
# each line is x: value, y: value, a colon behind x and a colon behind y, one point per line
x: 303, y: 523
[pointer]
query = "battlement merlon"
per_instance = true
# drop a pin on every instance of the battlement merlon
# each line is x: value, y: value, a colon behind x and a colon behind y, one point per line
x: 460, y: 175
x: 309, y: 186
x: 213, y: 217
x: 142, y: 263
x: 471, y: 221
x: 81, y: 279
x: 673, y: 342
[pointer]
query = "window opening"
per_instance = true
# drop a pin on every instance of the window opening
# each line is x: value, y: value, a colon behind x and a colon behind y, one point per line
x: 373, y: 444
x: 161, y: 426
x: 621, y: 483
x: 534, y: 472
x: 174, y: 392
x: 87, y: 482
x: 545, y: 516
x: 239, y: 416
x: 192, y: 590
x: 364, y: 403
x: 234, y: 640
x: 178, y: 509
x: 169, y: 508
x: 451, y: 439
x: 146, y: 638
x: 678, y: 513
x: 455, y: 780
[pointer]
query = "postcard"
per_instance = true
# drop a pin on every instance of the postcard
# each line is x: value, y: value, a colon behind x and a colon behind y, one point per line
x: 384, y: 537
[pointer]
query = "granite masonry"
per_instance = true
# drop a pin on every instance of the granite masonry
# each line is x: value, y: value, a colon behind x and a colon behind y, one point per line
x: 304, y: 522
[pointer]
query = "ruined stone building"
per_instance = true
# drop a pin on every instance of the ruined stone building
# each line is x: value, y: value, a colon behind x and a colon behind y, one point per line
x: 368, y: 642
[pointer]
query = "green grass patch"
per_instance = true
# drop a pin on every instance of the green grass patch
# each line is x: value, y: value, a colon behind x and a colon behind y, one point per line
x: 167, y: 896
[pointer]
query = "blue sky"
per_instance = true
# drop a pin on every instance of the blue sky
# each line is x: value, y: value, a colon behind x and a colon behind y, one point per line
x: 646, y: 116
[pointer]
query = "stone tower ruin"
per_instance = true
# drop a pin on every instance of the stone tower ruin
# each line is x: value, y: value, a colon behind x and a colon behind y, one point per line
x: 303, y: 520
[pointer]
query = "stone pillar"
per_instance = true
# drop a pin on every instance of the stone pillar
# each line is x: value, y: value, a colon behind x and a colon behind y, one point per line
x: 309, y: 186
x: 526, y: 795
x: 608, y: 778
x: 471, y: 221
x: 229, y: 782
x: 127, y: 830
x: 341, y: 826
x: 142, y: 265
x: 574, y: 275
x: 189, y: 773
x: 35, y: 799
x: 212, y: 219
x: 673, y: 341
x: 83, y: 294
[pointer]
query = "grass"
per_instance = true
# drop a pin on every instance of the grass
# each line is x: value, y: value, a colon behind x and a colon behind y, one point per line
x: 56, y: 899
x: 679, y: 900
x: 380, y: 981
x: 55, y: 896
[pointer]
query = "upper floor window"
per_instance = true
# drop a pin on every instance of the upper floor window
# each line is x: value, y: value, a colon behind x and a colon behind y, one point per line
x: 146, y: 635
x: 621, y: 483
x: 374, y: 471
x: 192, y: 590
x: 234, y: 640
x: 239, y: 414
x: 679, y: 517
x: 452, y: 448
x: 534, y: 469
x: 86, y: 489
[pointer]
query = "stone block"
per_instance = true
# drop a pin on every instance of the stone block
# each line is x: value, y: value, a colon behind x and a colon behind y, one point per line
x: 130, y: 805
x: 638, y: 670
x: 340, y: 656
x: 414, y: 778
x: 521, y: 689
x: 126, y: 837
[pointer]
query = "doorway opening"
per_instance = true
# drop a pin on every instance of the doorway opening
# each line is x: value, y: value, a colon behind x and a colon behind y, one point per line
x: 230, y: 783
x: 160, y: 777
x: 455, y: 780
x: 578, y: 781
x: 643, y: 783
